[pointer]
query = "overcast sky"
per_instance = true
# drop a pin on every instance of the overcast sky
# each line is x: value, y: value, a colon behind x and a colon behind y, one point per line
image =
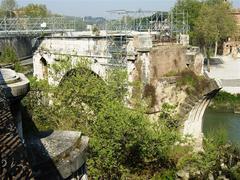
x: 99, y: 7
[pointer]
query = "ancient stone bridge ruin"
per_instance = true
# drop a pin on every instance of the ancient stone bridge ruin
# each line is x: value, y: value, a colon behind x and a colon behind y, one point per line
x: 193, y: 126
x: 140, y: 53
x: 107, y: 51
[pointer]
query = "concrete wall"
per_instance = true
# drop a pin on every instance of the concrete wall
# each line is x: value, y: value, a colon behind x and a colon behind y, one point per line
x: 22, y: 45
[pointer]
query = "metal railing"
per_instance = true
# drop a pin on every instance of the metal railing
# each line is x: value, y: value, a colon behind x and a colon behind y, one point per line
x: 12, y: 26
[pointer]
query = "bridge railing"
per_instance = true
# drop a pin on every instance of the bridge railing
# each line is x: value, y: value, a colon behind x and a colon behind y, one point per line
x: 35, y: 25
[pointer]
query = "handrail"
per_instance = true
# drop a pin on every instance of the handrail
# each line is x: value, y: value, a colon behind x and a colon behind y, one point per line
x: 36, y: 25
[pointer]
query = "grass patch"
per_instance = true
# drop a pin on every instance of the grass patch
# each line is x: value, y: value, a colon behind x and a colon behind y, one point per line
x: 171, y: 73
x: 226, y: 102
x: 193, y: 83
x: 219, y: 136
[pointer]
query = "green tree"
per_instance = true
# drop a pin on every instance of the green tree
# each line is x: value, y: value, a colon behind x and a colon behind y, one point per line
x: 192, y: 9
x: 210, y: 22
x: 35, y: 10
x: 214, y: 24
x: 8, y: 6
x: 215, y: 2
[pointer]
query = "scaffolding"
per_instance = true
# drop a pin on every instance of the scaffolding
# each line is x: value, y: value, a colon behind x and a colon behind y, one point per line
x: 147, y: 21
x: 167, y: 26
x: 33, y: 26
x: 122, y: 26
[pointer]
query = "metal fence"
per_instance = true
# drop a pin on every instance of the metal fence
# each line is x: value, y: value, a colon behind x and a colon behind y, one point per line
x: 13, y: 26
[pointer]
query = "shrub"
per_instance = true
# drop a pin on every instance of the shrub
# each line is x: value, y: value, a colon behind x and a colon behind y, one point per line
x: 123, y: 142
x: 193, y: 84
x: 217, y: 159
x: 8, y: 55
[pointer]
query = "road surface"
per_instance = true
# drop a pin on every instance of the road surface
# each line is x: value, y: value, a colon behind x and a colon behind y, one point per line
x: 228, y: 73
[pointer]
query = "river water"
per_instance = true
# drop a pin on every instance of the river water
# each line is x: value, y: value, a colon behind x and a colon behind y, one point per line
x: 228, y: 122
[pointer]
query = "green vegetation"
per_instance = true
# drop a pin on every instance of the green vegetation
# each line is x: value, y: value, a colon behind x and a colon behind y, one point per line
x: 35, y: 10
x: 171, y: 74
x: 10, y: 9
x: 210, y: 22
x: 192, y: 83
x: 8, y: 55
x: 216, y: 27
x: 96, y: 31
x: 8, y: 5
x: 192, y: 7
x: 7, y: 8
x: 217, y: 156
x: 124, y: 143
x: 195, y: 84
x: 225, y: 102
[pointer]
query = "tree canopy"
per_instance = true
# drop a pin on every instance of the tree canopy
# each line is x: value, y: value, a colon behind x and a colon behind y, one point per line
x: 210, y: 21
x: 35, y: 10
x: 214, y: 24
x: 8, y: 5
x: 192, y: 7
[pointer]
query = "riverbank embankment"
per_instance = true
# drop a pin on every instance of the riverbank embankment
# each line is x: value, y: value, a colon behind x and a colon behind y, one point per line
x: 226, y: 102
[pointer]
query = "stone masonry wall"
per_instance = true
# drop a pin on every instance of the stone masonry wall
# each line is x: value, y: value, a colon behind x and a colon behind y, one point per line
x: 165, y: 59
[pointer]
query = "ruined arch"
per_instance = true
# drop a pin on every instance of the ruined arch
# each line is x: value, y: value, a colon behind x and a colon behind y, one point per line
x: 80, y: 71
x: 193, y: 126
x: 91, y: 86
x: 44, y: 67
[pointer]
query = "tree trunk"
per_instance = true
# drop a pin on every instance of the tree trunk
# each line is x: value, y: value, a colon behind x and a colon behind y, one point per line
x: 208, y: 58
x: 204, y: 51
x: 216, y: 48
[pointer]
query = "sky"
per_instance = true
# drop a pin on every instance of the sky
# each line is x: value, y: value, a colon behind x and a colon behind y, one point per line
x: 99, y: 7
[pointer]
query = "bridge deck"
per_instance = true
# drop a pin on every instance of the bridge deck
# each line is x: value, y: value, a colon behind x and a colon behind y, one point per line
x: 21, y: 26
